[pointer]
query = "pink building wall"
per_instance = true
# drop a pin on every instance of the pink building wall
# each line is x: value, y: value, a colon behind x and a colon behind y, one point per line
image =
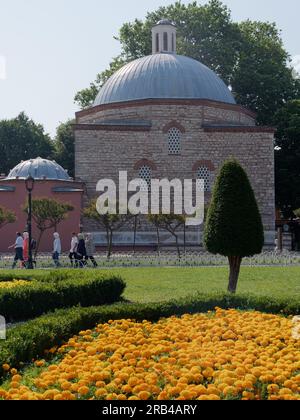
x: 16, y: 199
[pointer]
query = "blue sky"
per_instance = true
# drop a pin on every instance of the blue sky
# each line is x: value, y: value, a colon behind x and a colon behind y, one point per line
x: 50, y: 49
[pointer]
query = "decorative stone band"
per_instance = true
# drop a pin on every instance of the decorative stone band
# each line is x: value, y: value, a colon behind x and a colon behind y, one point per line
x: 109, y: 127
x: 237, y: 129
x: 192, y: 102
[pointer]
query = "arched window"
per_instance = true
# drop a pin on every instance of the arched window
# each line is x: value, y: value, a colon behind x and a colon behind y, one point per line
x: 174, y: 141
x: 204, y: 173
x: 157, y: 42
x: 145, y: 173
x: 166, y: 41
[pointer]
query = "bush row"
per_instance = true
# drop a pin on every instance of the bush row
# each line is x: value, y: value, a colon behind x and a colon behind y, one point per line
x: 25, y: 302
x: 28, y: 341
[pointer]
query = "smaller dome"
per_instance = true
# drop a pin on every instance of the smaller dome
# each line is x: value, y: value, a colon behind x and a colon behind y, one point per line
x: 39, y: 168
x: 165, y: 22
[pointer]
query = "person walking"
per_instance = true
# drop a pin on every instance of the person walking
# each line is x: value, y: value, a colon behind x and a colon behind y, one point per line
x: 81, y: 250
x: 56, y: 249
x: 90, y: 249
x: 18, y: 246
x: 73, y: 250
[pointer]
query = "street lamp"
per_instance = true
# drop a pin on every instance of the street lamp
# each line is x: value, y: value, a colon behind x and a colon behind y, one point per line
x: 29, y: 183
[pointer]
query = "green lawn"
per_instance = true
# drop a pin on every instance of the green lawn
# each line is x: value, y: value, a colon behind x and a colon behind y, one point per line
x: 157, y: 284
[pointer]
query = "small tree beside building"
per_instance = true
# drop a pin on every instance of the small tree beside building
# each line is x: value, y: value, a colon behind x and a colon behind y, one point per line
x: 48, y: 214
x: 234, y: 226
x: 6, y: 217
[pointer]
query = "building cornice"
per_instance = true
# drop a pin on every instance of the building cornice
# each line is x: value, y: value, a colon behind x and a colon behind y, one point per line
x: 110, y: 127
x: 178, y: 102
x: 238, y: 129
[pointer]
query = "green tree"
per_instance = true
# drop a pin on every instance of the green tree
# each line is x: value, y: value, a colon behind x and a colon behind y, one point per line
x: 6, y: 217
x: 172, y: 223
x: 262, y: 81
x: 233, y: 227
x: 287, y: 158
x: 65, y: 146
x: 22, y: 139
x: 48, y: 214
x: 110, y: 222
x: 248, y: 56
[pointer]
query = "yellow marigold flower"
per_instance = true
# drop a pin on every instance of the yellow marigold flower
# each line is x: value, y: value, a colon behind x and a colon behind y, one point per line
x: 6, y: 367
x: 144, y: 395
x: 83, y: 390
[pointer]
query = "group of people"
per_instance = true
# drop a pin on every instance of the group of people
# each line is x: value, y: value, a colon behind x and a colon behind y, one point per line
x: 82, y: 250
x: 21, y: 247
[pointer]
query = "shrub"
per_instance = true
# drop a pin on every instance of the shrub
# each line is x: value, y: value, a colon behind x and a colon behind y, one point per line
x: 28, y: 341
x: 26, y: 302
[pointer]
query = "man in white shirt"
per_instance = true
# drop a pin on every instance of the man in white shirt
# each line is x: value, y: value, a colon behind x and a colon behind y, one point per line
x: 18, y: 245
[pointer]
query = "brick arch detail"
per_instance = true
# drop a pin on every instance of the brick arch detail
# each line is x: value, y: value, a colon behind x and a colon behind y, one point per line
x: 174, y: 124
x: 145, y: 162
x: 207, y: 163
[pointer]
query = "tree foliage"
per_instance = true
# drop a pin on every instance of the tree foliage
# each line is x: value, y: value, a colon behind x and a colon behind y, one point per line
x: 171, y: 223
x: 48, y: 214
x: 110, y: 222
x: 65, y: 147
x: 233, y: 227
x: 248, y: 56
x: 287, y: 158
x: 21, y: 139
x: 6, y: 217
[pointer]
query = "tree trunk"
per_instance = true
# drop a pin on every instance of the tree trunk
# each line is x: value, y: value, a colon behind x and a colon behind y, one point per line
x: 134, y: 238
x: 158, y: 241
x: 177, y: 246
x: 109, y: 251
x: 235, y: 266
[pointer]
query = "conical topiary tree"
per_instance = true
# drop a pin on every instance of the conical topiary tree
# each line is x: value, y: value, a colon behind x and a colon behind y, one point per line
x: 233, y: 227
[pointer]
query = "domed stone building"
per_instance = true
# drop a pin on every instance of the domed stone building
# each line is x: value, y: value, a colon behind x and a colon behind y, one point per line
x: 169, y: 116
x: 51, y: 181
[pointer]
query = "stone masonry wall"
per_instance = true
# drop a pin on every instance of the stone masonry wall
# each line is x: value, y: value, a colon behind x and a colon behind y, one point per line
x: 102, y: 154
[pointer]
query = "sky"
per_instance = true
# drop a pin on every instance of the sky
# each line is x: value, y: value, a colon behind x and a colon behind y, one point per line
x: 50, y: 49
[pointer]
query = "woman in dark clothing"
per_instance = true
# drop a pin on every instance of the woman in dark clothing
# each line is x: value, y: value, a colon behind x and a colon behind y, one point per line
x: 81, y: 250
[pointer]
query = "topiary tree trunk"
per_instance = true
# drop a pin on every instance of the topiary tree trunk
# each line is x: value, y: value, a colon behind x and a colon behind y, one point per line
x: 233, y: 226
x: 235, y: 268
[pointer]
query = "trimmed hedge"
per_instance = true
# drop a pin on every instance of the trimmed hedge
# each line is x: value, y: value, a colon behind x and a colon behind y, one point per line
x: 28, y: 341
x: 25, y: 302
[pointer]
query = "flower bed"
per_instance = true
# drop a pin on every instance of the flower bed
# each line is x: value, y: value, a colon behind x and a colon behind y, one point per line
x: 224, y: 355
x: 12, y: 284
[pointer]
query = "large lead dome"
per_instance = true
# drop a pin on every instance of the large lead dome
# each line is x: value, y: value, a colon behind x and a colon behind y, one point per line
x: 164, y: 76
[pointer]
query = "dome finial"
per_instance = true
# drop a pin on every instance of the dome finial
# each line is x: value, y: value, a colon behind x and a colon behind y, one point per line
x: 164, y: 37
